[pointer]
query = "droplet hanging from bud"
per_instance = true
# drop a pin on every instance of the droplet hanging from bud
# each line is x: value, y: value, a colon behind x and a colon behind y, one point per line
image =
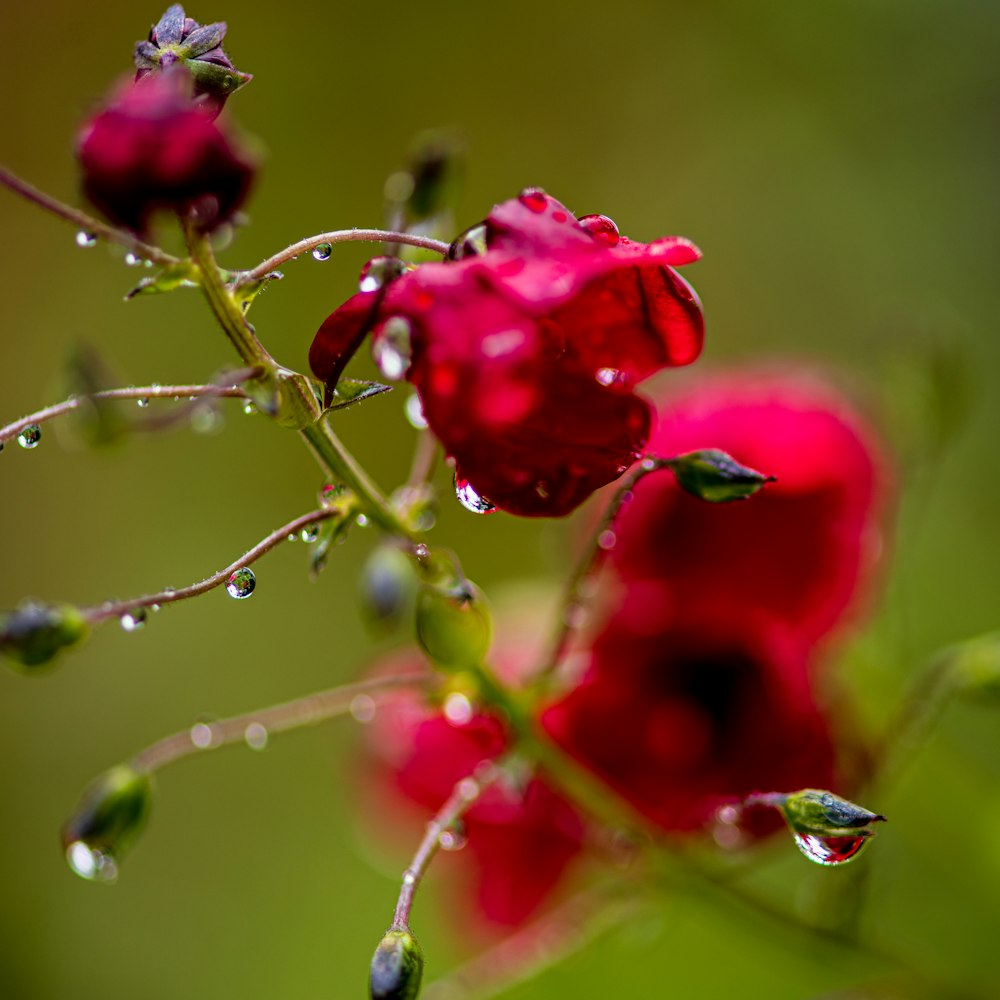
x: 827, y: 829
x: 106, y: 822
x: 830, y: 851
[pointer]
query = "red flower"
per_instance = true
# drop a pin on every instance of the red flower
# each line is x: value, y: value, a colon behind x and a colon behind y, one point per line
x: 526, y: 348
x: 681, y: 721
x: 520, y: 837
x: 153, y: 148
x: 797, y: 551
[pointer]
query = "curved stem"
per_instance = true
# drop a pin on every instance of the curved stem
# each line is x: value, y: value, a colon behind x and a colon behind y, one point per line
x: 462, y: 797
x: 120, y: 236
x: 307, y: 711
x: 227, y: 385
x: 115, y: 609
x: 309, y: 244
x: 600, y: 543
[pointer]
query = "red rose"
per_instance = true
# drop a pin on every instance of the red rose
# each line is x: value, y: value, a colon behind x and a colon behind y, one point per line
x: 526, y: 350
x: 152, y: 147
x: 682, y: 720
x: 520, y: 837
x: 799, y: 550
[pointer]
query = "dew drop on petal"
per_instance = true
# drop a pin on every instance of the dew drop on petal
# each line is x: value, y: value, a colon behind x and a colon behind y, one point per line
x: 86, y: 239
x: 610, y: 376
x: 255, y: 735
x: 830, y: 850
x: 470, y: 499
x: 133, y: 620
x: 323, y: 251
x: 607, y: 539
x: 30, y: 436
x: 533, y: 199
x: 392, y: 349
x: 415, y: 412
x: 601, y: 228
x: 241, y: 583
x: 362, y: 708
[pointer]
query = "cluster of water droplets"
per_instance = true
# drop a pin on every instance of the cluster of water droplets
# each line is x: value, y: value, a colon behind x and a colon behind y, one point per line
x: 467, y: 496
x: 241, y: 583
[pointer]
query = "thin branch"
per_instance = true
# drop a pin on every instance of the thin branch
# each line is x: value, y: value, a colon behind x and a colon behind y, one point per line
x: 87, y: 223
x: 115, y: 609
x: 550, y: 939
x: 258, y: 725
x: 602, y: 540
x: 463, y: 795
x: 309, y: 244
x: 226, y: 385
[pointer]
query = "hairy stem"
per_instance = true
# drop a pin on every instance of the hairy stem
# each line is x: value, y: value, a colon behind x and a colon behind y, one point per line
x: 227, y: 385
x: 85, y: 222
x: 115, y: 609
x: 463, y: 795
x: 307, y: 711
x: 309, y: 244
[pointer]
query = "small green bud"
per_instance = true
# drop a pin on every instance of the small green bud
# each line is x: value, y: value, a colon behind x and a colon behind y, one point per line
x: 34, y: 633
x: 813, y: 811
x: 454, y: 625
x: 106, y: 822
x: 397, y: 967
x: 388, y: 585
x: 714, y: 476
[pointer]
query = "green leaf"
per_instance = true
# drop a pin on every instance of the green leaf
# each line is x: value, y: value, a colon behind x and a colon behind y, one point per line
x: 179, y: 275
x: 355, y: 390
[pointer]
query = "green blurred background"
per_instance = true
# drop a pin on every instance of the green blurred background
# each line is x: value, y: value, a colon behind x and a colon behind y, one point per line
x: 838, y: 165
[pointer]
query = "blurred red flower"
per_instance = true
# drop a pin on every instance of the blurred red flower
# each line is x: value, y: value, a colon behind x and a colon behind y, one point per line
x: 152, y: 147
x: 526, y: 348
x: 699, y: 688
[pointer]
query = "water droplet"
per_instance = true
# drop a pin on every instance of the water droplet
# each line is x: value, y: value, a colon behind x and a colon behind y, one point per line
x: 534, y: 199
x: 249, y: 407
x: 323, y: 251
x: 309, y: 533
x: 1, y: 445
x: 457, y: 709
x: 421, y: 551
x: 85, y: 239
x: 607, y: 539
x: 603, y: 229
x: 202, y: 735
x: 392, y: 349
x: 142, y: 403
x: 131, y: 260
x: 610, y: 376
x: 30, y: 436
x: 542, y: 490
x: 241, y: 583
x: 133, y: 620
x: 379, y: 272
x: 409, y: 878
x: 206, y: 420
x: 454, y: 838
x: 363, y: 708
x: 470, y: 499
x: 154, y: 608
x: 361, y: 521
x: 292, y: 537
x: 415, y: 412
x: 256, y: 736
x: 649, y: 464
x: 91, y: 864
x: 830, y: 850
x: 471, y: 243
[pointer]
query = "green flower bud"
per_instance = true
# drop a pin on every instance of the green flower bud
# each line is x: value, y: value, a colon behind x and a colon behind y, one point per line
x: 714, y: 476
x: 454, y: 625
x: 397, y: 967
x: 106, y: 822
x: 34, y: 633
x: 813, y: 811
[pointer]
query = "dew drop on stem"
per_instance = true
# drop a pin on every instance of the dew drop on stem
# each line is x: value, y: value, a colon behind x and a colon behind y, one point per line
x: 30, y: 436
x: 133, y: 620
x: 322, y: 252
x: 241, y: 583
x: 86, y: 239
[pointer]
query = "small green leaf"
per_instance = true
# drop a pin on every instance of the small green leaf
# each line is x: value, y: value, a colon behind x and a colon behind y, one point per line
x: 355, y: 390
x: 179, y: 275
